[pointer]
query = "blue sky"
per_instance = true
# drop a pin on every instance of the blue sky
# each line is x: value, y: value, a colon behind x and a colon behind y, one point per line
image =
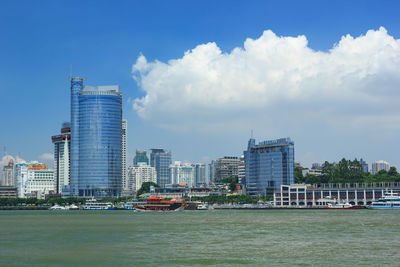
x: 41, y: 41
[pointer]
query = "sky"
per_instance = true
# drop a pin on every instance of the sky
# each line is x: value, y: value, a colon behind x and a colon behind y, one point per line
x: 199, y: 76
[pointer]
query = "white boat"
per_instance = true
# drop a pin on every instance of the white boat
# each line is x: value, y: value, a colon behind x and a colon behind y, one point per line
x: 57, y: 207
x: 202, y: 206
x: 93, y: 204
x: 388, y: 201
x: 73, y: 207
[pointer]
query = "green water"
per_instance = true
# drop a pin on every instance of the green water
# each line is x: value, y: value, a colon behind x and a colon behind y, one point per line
x: 218, y: 237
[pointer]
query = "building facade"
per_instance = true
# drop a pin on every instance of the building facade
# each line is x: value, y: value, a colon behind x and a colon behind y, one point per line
x: 62, y: 148
x: 160, y: 160
x: 364, y: 165
x: 211, y: 171
x: 7, y: 177
x: 269, y: 165
x: 140, y: 157
x: 241, y: 171
x: 226, y: 167
x: 139, y: 174
x: 182, y: 174
x: 199, y: 174
x: 96, y: 140
x: 380, y: 165
x: 40, y: 182
x: 124, y: 146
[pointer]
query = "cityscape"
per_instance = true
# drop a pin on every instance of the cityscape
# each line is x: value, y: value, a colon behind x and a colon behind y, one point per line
x: 199, y: 133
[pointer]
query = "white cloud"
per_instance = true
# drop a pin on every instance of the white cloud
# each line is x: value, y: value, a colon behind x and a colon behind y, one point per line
x: 47, y: 156
x: 274, y: 81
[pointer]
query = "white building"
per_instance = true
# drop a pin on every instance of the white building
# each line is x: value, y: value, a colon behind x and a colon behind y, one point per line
x: 241, y: 170
x: 7, y: 177
x: 39, y: 183
x: 139, y: 174
x: 380, y: 165
x: 182, y: 173
x: 199, y: 174
x: 62, y: 147
x: 124, y: 153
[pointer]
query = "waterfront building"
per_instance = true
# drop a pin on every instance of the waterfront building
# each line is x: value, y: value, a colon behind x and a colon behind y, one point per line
x: 8, y: 192
x: 62, y: 147
x: 380, y: 165
x: 306, y: 195
x: 124, y: 139
x: 96, y: 140
x: 241, y: 171
x: 139, y: 174
x: 140, y: 157
x: 269, y: 165
x: 226, y: 167
x: 7, y: 177
x: 364, y: 165
x: 160, y: 160
x: 40, y: 181
x: 199, y: 174
x: 182, y: 174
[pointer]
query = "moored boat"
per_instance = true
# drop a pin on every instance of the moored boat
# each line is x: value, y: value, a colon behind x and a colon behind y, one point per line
x: 93, y: 204
x: 342, y: 206
x: 388, y: 201
x: 155, y: 203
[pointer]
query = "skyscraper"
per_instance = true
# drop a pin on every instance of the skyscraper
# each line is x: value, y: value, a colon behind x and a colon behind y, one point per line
x: 140, y: 157
x: 199, y: 174
x: 269, y: 165
x: 62, y: 144
x: 161, y: 159
x: 124, y: 152
x: 226, y: 167
x: 380, y: 165
x: 96, y: 139
x: 182, y: 173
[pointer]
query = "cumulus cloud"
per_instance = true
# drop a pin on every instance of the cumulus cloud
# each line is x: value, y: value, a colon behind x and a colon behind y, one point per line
x: 46, y: 156
x: 274, y: 80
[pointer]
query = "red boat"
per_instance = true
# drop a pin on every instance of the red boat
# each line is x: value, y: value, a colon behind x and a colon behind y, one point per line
x: 155, y: 203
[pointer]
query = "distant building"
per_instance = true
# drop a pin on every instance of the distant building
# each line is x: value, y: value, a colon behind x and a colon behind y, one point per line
x: 62, y: 147
x: 139, y: 174
x: 226, y: 167
x: 40, y: 182
x: 241, y: 171
x: 199, y: 174
x: 124, y: 139
x: 316, y: 166
x: 8, y: 175
x: 364, y: 165
x: 211, y: 171
x: 269, y: 165
x: 380, y: 165
x: 140, y: 157
x: 182, y: 173
x: 160, y: 160
x: 8, y: 192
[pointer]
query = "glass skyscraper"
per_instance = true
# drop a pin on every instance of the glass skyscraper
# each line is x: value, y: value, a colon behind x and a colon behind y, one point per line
x: 161, y: 159
x: 268, y: 165
x: 96, y: 140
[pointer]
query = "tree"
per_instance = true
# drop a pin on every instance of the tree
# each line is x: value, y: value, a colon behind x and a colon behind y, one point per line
x: 145, y: 188
x: 392, y: 171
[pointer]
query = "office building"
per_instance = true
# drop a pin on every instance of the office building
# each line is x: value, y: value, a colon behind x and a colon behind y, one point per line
x: 269, y: 165
x: 380, y: 165
x: 124, y: 139
x: 161, y: 159
x: 139, y: 174
x: 7, y: 177
x: 96, y: 140
x: 140, y: 157
x: 241, y: 171
x: 199, y: 174
x: 62, y: 147
x: 182, y: 174
x: 226, y: 167
x: 40, y: 182
x: 364, y: 165
x: 211, y: 171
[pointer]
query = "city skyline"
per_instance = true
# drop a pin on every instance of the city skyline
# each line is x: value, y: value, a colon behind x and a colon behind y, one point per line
x: 326, y: 122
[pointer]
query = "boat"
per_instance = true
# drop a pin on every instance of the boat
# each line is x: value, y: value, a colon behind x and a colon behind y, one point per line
x: 155, y: 203
x: 202, y: 206
x: 388, y: 201
x: 342, y: 206
x: 73, y: 207
x: 57, y: 207
x: 93, y: 204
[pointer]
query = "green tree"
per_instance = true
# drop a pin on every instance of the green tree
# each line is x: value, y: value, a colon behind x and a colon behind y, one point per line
x: 392, y: 171
x: 145, y: 188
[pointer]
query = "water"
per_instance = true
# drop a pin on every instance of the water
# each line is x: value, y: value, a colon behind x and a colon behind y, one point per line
x: 218, y: 237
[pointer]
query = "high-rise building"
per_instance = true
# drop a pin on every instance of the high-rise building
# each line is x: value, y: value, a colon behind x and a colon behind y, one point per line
x: 140, y: 157
x: 62, y: 147
x: 124, y: 152
x: 226, y: 167
x: 34, y: 179
x: 199, y: 174
x: 96, y: 140
x: 139, y: 174
x: 269, y: 165
x: 7, y: 177
x: 241, y: 171
x: 380, y: 165
x: 182, y: 173
x: 211, y: 171
x: 161, y: 159
x: 364, y: 165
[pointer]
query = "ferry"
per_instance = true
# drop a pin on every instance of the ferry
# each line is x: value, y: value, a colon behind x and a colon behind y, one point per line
x: 92, y: 204
x: 57, y: 207
x: 342, y: 206
x: 155, y: 203
x: 388, y: 201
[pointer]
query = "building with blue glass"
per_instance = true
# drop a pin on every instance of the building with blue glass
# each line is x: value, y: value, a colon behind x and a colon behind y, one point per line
x: 96, y: 140
x: 140, y: 157
x: 268, y: 165
x: 160, y: 160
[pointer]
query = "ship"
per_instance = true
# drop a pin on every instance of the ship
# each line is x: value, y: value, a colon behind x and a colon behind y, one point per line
x: 155, y: 203
x: 93, y: 204
x: 388, y: 201
x: 342, y: 206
